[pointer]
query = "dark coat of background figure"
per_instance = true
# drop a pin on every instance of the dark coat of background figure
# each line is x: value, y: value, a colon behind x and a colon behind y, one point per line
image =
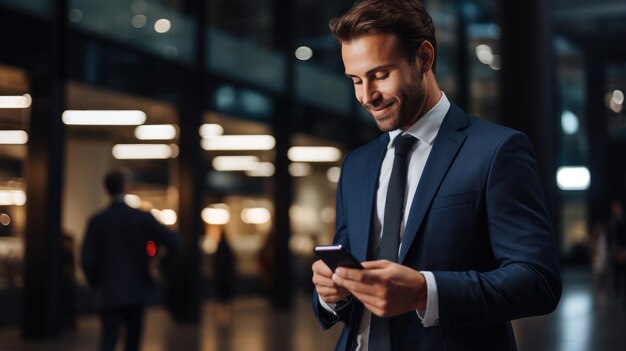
x: 116, y: 264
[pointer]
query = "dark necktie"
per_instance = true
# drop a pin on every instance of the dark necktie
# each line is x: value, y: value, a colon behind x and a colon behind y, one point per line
x: 379, y: 339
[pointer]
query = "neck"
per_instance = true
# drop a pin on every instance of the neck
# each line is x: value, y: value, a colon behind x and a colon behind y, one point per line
x: 432, y: 91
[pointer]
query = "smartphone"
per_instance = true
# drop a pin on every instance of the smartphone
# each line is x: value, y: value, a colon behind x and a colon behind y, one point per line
x: 337, y: 256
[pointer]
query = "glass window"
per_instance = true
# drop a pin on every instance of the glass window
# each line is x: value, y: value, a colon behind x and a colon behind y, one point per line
x: 157, y: 27
x: 92, y: 149
x: 238, y: 204
x: 14, y: 119
x: 240, y: 42
x: 41, y: 8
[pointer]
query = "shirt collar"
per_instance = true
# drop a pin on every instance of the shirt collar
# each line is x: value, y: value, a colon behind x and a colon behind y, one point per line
x: 426, y: 127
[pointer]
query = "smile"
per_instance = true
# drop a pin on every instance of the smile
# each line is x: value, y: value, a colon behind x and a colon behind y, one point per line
x: 378, y: 112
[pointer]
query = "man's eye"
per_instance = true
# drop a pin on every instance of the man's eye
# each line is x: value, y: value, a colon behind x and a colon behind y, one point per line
x: 382, y: 75
x: 356, y: 82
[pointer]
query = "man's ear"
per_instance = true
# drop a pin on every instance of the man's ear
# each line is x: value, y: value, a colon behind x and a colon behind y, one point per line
x: 426, y: 55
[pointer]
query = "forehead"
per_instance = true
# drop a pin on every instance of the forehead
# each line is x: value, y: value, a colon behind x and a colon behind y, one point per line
x: 369, y: 51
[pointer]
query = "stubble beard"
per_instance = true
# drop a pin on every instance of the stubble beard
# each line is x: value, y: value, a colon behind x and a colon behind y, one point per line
x: 410, y: 103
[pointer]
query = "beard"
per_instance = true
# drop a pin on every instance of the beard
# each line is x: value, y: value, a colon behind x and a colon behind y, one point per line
x: 410, y: 99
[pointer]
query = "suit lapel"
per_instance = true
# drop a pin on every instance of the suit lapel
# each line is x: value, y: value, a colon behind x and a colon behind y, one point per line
x: 367, y: 196
x: 445, y: 148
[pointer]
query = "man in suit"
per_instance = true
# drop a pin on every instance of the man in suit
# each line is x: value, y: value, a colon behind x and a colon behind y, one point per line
x: 473, y: 246
x: 116, y: 263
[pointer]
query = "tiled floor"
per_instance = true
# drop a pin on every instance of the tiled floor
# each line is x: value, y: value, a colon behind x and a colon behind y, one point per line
x: 579, y: 324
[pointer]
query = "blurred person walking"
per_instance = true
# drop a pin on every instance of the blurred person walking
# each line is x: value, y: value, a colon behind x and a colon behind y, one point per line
x: 224, y: 268
x: 116, y: 263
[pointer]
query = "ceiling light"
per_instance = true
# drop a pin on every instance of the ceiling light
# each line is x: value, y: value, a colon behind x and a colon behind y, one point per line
x: 18, y: 101
x: 211, y: 129
x: 13, y: 137
x: 141, y: 151
x: 314, y: 154
x: 239, y: 142
x: 12, y: 197
x: 155, y: 132
x: 104, y: 117
x: 215, y: 215
x: 573, y: 178
x: 304, y: 53
x: 257, y: 215
x: 162, y: 25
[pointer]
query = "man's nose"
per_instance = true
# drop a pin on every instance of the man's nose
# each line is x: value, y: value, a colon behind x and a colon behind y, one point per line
x: 370, y: 94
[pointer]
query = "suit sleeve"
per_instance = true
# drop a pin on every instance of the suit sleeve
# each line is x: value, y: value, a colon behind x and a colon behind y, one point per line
x: 162, y: 235
x: 526, y: 281
x: 326, y: 318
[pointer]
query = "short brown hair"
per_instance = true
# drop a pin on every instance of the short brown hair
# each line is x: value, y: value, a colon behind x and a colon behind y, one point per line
x: 407, y: 20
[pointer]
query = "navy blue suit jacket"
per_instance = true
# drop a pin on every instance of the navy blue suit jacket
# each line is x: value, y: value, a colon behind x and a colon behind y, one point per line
x: 478, y: 221
x: 114, y: 257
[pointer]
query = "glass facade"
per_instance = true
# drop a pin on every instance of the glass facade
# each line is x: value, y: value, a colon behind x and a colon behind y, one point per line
x: 15, y: 106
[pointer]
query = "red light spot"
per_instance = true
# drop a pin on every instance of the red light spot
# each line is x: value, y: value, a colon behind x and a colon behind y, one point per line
x: 151, y: 248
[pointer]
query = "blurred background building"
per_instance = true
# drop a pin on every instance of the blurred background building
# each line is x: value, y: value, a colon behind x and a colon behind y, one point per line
x: 234, y: 115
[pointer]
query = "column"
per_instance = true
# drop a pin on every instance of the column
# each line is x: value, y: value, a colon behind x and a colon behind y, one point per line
x: 41, y: 317
x: 527, y: 85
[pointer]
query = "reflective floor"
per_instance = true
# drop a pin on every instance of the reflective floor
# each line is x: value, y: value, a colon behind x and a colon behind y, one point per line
x: 584, y: 321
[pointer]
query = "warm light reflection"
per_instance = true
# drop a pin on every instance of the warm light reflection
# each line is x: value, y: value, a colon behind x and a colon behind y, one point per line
x: 239, y: 142
x: 5, y: 220
x: 13, y: 137
x: 168, y: 216
x: 104, y: 117
x: 256, y: 215
x: 263, y: 169
x: 132, y: 200
x: 573, y: 178
x: 17, y: 101
x: 299, y: 169
x: 211, y: 129
x: 142, y: 151
x: 328, y: 215
x: 215, y: 215
x: 333, y: 174
x: 314, y: 154
x: 235, y: 163
x: 155, y: 132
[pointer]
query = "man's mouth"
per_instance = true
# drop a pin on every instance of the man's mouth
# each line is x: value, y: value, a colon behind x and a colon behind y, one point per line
x: 380, y: 111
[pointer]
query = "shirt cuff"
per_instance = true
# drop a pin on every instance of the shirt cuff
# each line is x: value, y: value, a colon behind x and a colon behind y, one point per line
x: 335, y: 307
x: 430, y: 317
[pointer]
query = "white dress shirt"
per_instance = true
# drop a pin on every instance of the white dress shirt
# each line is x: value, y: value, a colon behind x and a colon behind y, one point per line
x: 425, y: 130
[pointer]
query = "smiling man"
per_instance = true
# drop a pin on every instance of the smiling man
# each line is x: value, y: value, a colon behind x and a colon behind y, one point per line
x: 445, y: 210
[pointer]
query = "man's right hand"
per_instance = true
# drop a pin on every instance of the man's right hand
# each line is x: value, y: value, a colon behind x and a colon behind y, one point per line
x: 324, y: 284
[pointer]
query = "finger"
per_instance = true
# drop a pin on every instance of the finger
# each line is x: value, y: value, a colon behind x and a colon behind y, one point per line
x: 378, y: 264
x: 354, y: 286
x: 350, y: 273
x: 319, y: 280
x: 321, y: 268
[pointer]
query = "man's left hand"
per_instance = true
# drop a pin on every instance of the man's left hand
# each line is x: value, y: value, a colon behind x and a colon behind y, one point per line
x: 384, y: 287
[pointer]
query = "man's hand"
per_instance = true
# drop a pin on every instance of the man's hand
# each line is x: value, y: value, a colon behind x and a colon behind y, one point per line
x: 384, y: 287
x: 324, y: 284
